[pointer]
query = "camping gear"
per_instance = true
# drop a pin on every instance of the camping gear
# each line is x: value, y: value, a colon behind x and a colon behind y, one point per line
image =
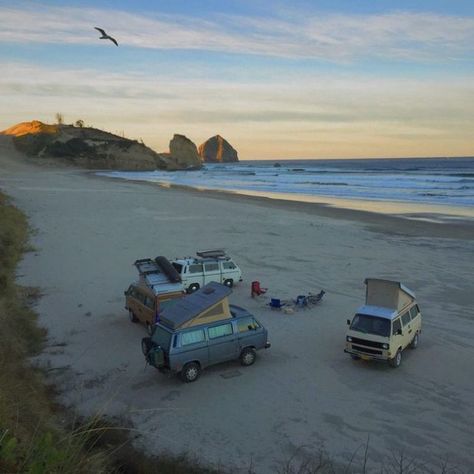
x: 315, y: 299
x: 301, y: 300
x: 276, y: 303
x: 257, y: 290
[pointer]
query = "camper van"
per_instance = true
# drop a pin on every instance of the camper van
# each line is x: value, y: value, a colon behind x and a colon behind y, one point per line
x: 389, y: 322
x: 209, y: 265
x: 158, y: 285
x: 203, y: 329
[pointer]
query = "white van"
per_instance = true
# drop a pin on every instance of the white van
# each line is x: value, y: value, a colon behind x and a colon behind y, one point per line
x: 389, y: 322
x: 209, y: 265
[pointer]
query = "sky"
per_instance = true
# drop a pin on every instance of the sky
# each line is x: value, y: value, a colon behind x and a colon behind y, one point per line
x: 277, y: 79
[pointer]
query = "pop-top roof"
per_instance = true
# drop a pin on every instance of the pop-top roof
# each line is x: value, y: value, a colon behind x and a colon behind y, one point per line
x: 380, y: 311
x: 188, y: 308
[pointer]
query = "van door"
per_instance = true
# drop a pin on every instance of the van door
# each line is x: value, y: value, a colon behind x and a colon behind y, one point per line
x: 223, y: 343
x: 195, y: 274
x: 408, y: 332
x: 192, y: 346
x: 145, y: 307
x: 396, y: 340
x: 250, y: 333
x: 415, y: 318
x: 212, y: 273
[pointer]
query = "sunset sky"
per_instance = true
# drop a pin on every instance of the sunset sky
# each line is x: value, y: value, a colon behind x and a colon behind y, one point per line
x: 299, y: 79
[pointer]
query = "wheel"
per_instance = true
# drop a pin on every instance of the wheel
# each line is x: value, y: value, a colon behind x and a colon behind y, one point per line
x: 149, y: 328
x: 146, y: 345
x: 229, y: 283
x: 190, y: 372
x: 414, y: 342
x: 248, y: 356
x: 132, y: 316
x: 397, y: 360
x: 193, y: 287
x: 355, y: 357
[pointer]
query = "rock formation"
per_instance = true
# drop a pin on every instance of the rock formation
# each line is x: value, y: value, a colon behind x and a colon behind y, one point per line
x: 183, y: 153
x: 91, y: 148
x: 217, y: 150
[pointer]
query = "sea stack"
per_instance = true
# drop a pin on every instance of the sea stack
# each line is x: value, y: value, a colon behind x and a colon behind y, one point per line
x: 183, y: 153
x: 217, y: 150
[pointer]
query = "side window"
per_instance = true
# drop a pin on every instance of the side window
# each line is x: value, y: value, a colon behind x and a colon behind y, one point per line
x: 247, y: 324
x: 405, y: 318
x: 211, y: 267
x: 229, y: 266
x: 177, y: 266
x: 149, y: 302
x: 396, y: 326
x: 140, y: 296
x: 195, y: 268
x: 413, y: 312
x: 192, y: 337
x: 220, y: 331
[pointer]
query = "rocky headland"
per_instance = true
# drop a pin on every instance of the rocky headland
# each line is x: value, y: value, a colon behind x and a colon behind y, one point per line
x: 217, y: 150
x: 91, y: 148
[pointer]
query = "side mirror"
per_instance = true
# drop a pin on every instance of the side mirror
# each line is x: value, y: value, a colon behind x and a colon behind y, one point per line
x: 348, y: 322
x: 399, y: 332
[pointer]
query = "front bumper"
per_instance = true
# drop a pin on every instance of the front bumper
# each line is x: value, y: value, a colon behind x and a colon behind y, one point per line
x: 366, y: 356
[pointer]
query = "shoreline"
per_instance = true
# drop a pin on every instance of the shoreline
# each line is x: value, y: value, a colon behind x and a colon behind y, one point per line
x: 422, y: 224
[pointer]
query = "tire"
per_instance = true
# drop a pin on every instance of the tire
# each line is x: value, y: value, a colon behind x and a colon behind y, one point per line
x: 132, y: 316
x: 355, y: 357
x: 146, y: 345
x: 414, y: 342
x: 190, y: 372
x: 229, y: 283
x: 248, y: 356
x: 397, y: 360
x: 193, y: 287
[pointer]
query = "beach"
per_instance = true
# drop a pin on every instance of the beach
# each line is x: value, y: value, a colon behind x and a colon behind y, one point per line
x: 303, y: 394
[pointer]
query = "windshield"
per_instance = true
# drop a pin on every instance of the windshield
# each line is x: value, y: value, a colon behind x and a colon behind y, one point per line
x: 371, y: 325
x: 161, y: 337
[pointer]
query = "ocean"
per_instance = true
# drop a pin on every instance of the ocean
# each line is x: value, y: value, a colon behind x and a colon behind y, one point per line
x: 428, y: 181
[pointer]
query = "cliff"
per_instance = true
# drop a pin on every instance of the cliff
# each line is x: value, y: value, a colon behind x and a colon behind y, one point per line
x: 91, y: 148
x: 217, y: 150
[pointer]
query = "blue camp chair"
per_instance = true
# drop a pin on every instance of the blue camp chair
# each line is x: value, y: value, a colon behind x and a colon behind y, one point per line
x: 275, y: 303
x: 301, y: 301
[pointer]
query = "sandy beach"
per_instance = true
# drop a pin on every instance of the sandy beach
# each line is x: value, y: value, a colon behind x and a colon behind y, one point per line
x: 302, y: 395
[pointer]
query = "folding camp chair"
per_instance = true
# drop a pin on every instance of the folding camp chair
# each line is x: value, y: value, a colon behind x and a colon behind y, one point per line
x: 256, y: 289
x: 276, y: 303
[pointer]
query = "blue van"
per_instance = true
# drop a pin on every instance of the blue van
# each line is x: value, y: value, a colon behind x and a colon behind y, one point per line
x: 203, y: 329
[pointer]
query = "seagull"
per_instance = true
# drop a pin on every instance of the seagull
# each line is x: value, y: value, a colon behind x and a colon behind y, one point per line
x: 106, y: 36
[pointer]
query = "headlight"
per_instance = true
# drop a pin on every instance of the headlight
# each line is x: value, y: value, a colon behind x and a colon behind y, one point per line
x: 348, y: 338
x: 385, y: 346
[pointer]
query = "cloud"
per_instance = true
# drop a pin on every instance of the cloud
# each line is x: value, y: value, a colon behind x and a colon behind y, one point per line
x: 399, y: 35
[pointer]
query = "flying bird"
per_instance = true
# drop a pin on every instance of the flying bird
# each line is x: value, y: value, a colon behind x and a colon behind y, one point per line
x: 106, y: 36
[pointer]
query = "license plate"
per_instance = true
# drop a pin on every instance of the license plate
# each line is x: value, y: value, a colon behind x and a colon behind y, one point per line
x: 363, y: 357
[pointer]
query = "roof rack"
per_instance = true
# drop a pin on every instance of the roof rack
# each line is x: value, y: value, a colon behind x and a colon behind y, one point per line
x: 211, y: 253
x: 158, y: 274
